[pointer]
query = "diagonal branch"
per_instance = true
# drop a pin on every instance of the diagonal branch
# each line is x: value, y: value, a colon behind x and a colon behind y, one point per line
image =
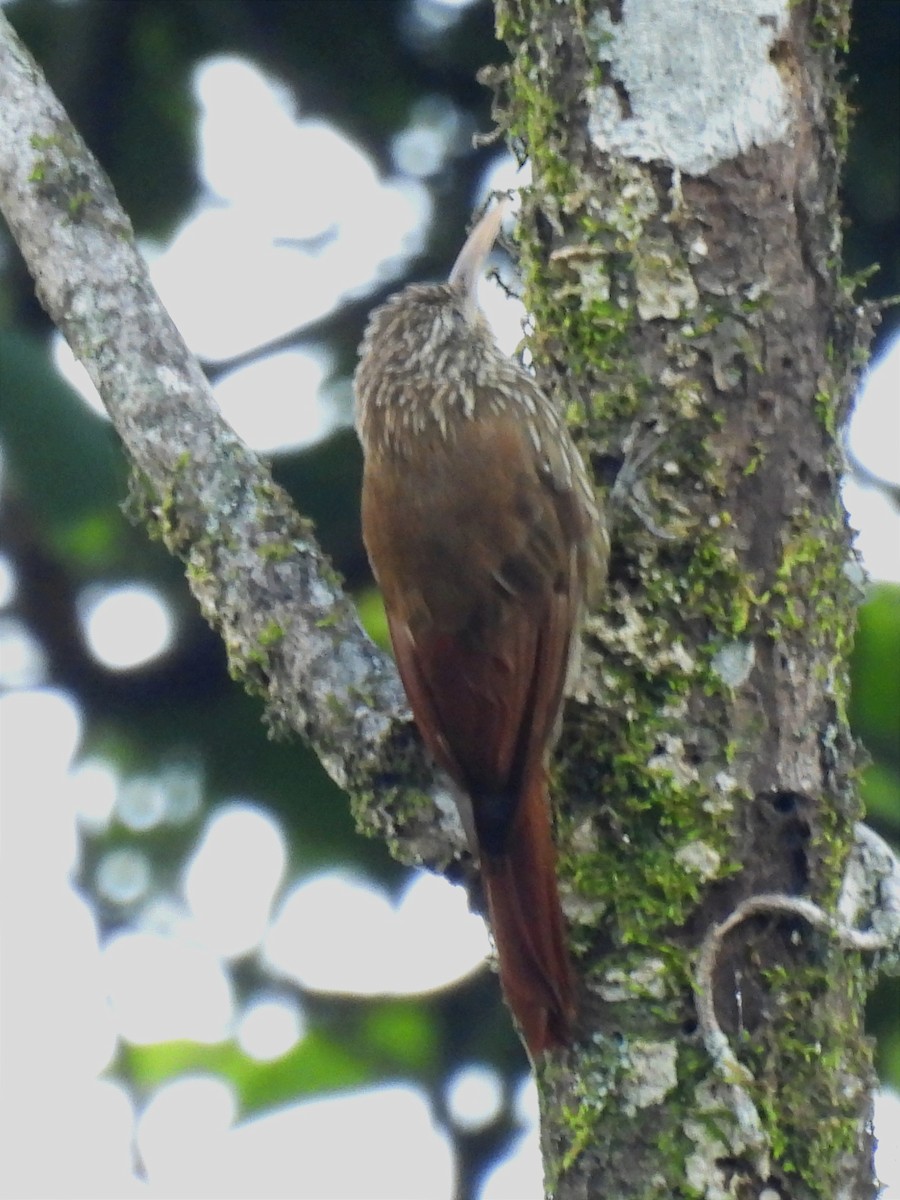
x: 291, y: 632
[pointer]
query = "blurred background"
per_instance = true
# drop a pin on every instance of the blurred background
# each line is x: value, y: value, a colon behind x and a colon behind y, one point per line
x: 211, y: 984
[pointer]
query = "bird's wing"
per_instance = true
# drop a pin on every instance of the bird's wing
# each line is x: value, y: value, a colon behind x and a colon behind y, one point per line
x: 482, y: 588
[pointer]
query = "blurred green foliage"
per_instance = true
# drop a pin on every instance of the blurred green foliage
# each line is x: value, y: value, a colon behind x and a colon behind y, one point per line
x: 123, y: 70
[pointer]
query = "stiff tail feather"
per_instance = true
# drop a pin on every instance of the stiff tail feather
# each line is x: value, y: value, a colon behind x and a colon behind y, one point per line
x: 528, y: 926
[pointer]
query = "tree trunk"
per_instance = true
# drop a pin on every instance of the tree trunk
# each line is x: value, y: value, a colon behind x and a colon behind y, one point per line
x: 680, y: 249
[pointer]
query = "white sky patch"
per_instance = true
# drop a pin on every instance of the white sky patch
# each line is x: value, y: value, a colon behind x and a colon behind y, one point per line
x: 91, y: 1122
x: 700, y: 82
x: 877, y: 523
x: 873, y: 435
x: 474, y: 1096
x: 179, y: 1133
x: 233, y: 876
x: 887, y: 1149
x: 228, y: 278
x: 503, y: 174
x: 339, y: 933
x: 270, y: 1027
x: 301, y: 178
x: 521, y: 1175
x: 91, y: 788
x: 503, y: 313
x: 75, y: 374
x: 56, y: 1031
x: 230, y: 288
x: 527, y: 1105
x: 22, y: 659
x: 379, y: 1143
x: 127, y: 625
x: 274, y: 404
x: 57, y: 715
x: 164, y: 989
x: 874, y: 441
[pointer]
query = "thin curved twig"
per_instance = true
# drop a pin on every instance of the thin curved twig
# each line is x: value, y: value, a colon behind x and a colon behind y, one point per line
x: 870, y: 893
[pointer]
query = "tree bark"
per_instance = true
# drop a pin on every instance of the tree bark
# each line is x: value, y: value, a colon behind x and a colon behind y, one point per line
x: 292, y: 636
x: 680, y: 248
x: 680, y: 252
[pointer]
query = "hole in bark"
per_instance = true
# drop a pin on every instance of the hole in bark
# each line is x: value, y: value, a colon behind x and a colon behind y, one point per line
x: 564, y: 57
x: 800, y: 863
x: 734, y: 1166
x: 689, y: 1027
x: 623, y: 98
x: 606, y: 467
x: 785, y: 802
x: 543, y: 228
x: 781, y: 839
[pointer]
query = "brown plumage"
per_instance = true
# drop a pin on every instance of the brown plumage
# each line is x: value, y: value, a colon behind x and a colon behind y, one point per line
x: 483, y: 533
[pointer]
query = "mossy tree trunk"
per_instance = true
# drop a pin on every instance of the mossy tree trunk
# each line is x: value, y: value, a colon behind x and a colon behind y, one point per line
x: 680, y: 248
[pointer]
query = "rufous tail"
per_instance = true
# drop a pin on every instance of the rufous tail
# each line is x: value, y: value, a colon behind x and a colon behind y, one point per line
x: 528, y: 925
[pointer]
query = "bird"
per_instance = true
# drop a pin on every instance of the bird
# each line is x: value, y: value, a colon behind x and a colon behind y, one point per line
x: 487, y: 540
